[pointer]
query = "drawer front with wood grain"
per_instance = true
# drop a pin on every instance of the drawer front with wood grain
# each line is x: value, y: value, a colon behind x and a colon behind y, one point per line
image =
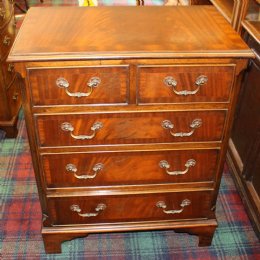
x: 79, y: 85
x: 125, y: 208
x: 181, y: 84
x: 130, y: 128
x: 129, y: 168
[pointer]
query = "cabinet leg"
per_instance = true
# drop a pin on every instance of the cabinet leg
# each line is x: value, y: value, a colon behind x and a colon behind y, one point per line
x: 205, y: 234
x: 205, y: 239
x: 10, y: 127
x: 10, y: 131
x: 52, y: 242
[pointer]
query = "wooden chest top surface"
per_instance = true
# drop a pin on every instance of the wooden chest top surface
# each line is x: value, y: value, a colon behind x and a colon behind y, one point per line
x: 71, y: 33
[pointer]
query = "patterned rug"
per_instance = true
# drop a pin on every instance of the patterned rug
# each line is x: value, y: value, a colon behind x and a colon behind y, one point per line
x: 21, y: 222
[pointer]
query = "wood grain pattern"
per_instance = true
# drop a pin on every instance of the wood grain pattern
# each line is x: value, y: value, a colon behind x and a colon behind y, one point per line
x: 153, y: 90
x: 253, y: 28
x: 113, y: 88
x: 128, y: 168
x: 53, y: 33
x: 120, y: 208
x: 234, y: 11
x: 244, y: 146
x: 225, y: 8
x: 122, y: 128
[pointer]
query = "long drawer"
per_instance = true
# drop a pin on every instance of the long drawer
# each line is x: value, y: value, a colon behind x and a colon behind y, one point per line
x: 130, y: 128
x: 125, y: 208
x: 181, y: 84
x: 129, y: 168
x: 93, y: 85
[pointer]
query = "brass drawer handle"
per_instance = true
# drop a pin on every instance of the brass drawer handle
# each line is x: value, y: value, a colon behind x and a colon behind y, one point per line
x: 100, y: 207
x: 67, y: 127
x: 184, y: 203
x: 15, y: 96
x: 196, y: 123
x: 171, y: 82
x: 2, y: 13
x: 73, y: 169
x: 10, y: 67
x: 165, y: 165
x: 7, y: 40
x: 92, y: 83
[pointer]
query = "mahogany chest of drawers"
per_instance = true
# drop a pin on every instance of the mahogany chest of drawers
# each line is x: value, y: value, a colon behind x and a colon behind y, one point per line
x: 128, y: 112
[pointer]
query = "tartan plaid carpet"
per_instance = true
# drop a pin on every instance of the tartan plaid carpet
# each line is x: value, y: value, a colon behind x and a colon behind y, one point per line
x: 21, y: 222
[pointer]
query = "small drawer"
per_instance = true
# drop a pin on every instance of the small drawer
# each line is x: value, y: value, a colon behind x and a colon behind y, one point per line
x: 129, y: 168
x: 8, y: 72
x: 125, y: 208
x: 180, y: 84
x: 14, y: 97
x: 130, y: 128
x: 7, y: 37
x: 79, y: 85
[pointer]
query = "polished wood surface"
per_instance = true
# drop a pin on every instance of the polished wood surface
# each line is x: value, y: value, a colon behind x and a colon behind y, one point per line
x: 113, y: 87
x: 225, y: 7
x: 129, y: 168
x: 152, y: 88
x: 253, y: 28
x: 184, y: 33
x: 121, y: 128
x: 130, y: 108
x: 233, y: 10
x: 244, y: 145
x: 129, y: 208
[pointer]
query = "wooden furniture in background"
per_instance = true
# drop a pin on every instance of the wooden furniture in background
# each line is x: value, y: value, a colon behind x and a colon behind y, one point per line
x: 233, y: 10
x: 199, y: 2
x: 244, y: 146
x: 22, y: 7
x: 10, y: 101
x: 128, y: 131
